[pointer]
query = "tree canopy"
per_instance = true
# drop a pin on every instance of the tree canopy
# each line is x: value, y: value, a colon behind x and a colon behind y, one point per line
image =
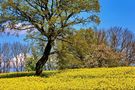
x: 52, y: 18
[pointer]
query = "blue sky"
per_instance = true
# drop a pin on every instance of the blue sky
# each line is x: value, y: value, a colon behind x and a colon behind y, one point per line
x: 117, y: 13
x: 11, y: 39
x: 113, y: 13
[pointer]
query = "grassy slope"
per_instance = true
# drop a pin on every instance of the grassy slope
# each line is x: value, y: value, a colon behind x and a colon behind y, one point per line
x: 122, y: 78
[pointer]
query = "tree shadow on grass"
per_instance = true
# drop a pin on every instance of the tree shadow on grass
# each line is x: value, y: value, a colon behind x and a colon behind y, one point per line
x: 45, y: 74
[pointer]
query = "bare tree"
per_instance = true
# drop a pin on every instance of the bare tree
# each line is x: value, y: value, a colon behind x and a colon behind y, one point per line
x: 1, y: 58
x: 24, y: 51
x: 101, y: 37
x: 19, y: 49
x: 6, y: 53
x: 121, y: 40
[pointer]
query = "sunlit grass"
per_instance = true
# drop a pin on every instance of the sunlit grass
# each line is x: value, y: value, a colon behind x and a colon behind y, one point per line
x: 122, y: 78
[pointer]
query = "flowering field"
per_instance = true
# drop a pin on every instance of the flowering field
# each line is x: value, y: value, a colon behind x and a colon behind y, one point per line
x: 121, y: 78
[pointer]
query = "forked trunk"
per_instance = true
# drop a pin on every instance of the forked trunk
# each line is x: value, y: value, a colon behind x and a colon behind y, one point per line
x: 43, y: 59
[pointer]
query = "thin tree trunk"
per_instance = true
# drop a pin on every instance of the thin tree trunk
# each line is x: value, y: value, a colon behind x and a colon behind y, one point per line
x: 4, y: 67
x: 17, y: 69
x: 0, y: 68
x: 43, y: 59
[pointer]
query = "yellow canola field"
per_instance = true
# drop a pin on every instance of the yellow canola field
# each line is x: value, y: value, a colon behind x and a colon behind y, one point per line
x: 121, y: 78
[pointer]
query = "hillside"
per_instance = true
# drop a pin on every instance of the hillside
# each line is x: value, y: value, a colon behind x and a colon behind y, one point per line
x: 121, y: 78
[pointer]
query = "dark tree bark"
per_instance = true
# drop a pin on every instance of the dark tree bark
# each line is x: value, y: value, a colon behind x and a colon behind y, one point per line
x: 43, y: 59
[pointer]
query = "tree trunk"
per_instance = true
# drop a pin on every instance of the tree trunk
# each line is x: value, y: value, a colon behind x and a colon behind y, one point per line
x: 17, y: 69
x: 43, y: 59
x: 0, y: 65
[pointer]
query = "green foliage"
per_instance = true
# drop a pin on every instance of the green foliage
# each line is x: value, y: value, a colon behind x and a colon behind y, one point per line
x: 47, y: 14
x: 84, y: 50
x: 30, y: 64
x: 31, y: 61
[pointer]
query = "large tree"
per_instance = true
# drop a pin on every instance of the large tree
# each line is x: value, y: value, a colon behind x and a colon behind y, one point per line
x: 52, y: 18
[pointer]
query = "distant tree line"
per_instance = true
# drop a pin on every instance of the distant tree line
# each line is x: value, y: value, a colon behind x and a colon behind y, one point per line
x: 79, y: 49
x: 88, y: 49
x: 12, y: 56
x: 101, y: 48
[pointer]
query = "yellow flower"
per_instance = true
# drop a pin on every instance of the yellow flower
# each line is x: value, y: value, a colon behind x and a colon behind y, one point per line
x: 121, y: 78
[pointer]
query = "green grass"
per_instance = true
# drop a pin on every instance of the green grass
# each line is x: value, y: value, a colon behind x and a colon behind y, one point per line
x: 26, y: 74
x: 121, y: 78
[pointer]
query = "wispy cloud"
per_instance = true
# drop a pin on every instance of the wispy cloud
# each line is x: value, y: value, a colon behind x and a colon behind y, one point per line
x: 14, y: 32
